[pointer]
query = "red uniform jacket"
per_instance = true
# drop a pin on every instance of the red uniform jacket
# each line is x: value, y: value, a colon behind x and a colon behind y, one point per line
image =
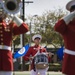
x: 68, y: 34
x: 6, y: 34
x: 32, y: 51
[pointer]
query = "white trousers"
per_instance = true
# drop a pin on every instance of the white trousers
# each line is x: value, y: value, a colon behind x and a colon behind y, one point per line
x: 39, y: 72
x: 6, y: 73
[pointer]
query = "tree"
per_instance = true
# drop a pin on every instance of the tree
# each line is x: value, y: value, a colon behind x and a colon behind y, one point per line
x: 44, y: 25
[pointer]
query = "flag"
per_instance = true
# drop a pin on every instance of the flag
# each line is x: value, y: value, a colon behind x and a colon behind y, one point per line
x: 60, y: 53
x: 22, y: 51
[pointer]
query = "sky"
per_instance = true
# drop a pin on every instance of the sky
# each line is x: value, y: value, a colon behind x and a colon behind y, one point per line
x: 38, y: 7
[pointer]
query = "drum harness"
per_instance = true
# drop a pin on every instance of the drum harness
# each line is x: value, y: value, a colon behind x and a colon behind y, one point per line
x: 39, y: 51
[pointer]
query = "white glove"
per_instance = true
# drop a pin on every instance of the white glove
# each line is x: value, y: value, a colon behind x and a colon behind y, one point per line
x: 17, y: 20
x: 69, y: 17
x: 14, y: 60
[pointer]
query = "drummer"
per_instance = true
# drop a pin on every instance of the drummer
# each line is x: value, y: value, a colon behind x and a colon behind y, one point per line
x: 33, y: 50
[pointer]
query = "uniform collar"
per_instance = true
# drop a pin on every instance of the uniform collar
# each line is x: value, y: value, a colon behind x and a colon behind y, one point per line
x: 36, y: 46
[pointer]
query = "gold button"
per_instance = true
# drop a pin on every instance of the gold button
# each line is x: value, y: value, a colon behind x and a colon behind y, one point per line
x: 0, y: 23
x: 0, y: 27
x: 1, y: 35
x: 1, y: 39
x: 5, y: 27
x: 1, y: 43
x: 1, y: 31
x: 8, y: 30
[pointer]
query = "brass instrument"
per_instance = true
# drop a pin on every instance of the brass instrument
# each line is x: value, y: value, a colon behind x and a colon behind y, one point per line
x: 11, y: 6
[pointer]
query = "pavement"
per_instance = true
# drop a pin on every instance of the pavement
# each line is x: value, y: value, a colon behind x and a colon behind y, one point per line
x: 28, y: 72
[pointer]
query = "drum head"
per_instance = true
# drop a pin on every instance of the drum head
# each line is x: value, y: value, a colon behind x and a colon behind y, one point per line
x: 41, y: 61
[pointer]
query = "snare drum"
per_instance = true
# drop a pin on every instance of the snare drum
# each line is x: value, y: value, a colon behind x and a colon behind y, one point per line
x: 41, y: 61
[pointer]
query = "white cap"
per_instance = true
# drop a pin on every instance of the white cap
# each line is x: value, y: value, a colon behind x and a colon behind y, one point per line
x: 35, y: 36
x: 70, y: 4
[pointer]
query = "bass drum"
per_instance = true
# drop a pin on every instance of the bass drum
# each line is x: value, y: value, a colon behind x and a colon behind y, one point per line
x: 41, y: 61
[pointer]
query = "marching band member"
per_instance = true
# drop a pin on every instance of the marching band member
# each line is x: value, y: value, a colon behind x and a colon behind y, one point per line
x: 7, y: 31
x: 33, y: 50
x: 66, y: 27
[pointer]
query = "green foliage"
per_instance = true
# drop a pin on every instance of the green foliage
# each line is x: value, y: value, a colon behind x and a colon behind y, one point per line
x: 44, y: 25
x: 55, y: 67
